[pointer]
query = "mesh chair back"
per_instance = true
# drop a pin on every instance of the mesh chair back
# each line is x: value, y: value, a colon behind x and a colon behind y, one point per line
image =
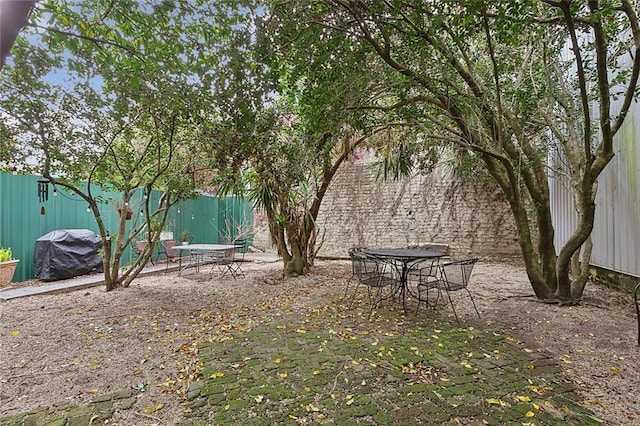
x: 424, y: 273
x: 240, y: 249
x: 456, y: 274
x: 365, y: 268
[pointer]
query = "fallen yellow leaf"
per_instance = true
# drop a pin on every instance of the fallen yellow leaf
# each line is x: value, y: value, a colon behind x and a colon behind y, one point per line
x: 15, y: 332
x: 538, y: 407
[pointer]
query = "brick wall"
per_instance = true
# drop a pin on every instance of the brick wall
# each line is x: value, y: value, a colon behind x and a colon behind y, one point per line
x: 360, y: 211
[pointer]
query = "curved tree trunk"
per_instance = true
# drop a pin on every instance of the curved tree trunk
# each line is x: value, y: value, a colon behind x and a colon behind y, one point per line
x: 293, y: 227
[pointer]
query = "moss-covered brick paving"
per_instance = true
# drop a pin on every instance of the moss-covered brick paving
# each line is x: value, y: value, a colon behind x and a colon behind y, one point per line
x: 66, y: 414
x: 331, y: 369
x: 333, y: 366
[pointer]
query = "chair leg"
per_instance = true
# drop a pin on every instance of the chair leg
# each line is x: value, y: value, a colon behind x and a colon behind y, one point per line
x: 237, y: 270
x: 453, y: 307
x: 349, y: 281
x: 473, y: 302
x: 353, y: 296
x: 231, y: 267
x: 419, y: 302
x: 346, y: 290
x: 426, y: 299
x: 375, y: 302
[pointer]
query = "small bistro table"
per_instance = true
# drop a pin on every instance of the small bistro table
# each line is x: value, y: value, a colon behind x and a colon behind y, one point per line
x: 404, y: 259
x: 197, y: 252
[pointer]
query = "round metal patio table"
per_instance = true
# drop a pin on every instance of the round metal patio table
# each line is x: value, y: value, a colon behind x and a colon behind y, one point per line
x: 404, y: 259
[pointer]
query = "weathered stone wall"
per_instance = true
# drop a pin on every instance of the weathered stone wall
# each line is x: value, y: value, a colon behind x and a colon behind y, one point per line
x: 360, y: 211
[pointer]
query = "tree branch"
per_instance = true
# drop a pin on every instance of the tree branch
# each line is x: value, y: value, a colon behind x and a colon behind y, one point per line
x: 96, y: 41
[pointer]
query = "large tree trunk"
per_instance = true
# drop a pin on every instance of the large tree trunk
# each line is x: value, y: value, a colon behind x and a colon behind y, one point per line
x: 295, y: 236
x: 297, y: 264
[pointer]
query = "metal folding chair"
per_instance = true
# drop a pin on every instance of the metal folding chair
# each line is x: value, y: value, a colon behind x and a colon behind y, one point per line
x: 240, y: 248
x: 222, y: 261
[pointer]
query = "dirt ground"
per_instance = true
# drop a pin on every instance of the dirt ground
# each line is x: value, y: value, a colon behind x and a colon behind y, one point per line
x: 72, y: 346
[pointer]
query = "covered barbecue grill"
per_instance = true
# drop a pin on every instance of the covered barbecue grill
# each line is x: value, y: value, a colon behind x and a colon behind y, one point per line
x: 67, y: 253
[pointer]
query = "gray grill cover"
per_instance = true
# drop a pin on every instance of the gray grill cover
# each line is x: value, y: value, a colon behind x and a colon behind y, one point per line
x: 67, y: 253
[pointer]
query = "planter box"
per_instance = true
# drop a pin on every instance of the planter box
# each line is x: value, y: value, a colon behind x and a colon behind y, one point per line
x: 6, y: 272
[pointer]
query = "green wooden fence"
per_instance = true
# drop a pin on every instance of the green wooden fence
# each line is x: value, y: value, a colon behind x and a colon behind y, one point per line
x: 26, y: 215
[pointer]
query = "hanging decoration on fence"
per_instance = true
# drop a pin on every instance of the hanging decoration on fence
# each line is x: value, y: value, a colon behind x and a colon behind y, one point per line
x: 43, y: 193
x: 43, y: 190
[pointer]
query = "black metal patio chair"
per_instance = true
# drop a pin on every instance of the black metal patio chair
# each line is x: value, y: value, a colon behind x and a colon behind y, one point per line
x: 375, y: 274
x: 452, y: 276
x: 356, y: 264
x: 425, y: 275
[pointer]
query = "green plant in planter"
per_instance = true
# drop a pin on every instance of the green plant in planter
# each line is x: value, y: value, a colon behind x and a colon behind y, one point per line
x: 186, y: 236
x: 5, y: 254
x: 7, y: 266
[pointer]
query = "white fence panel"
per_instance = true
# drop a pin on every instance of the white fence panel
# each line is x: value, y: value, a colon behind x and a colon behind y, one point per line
x: 616, y: 233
